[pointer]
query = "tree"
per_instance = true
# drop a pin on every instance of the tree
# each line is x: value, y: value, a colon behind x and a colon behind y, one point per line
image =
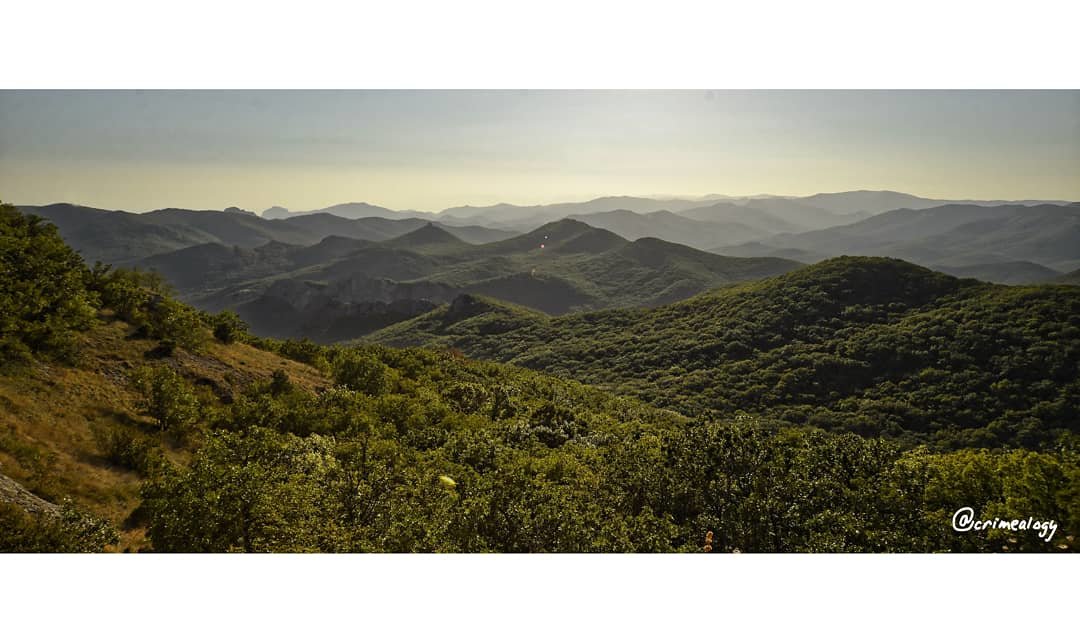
x: 168, y: 398
x: 43, y: 294
x: 228, y: 327
x: 172, y: 321
x: 362, y: 372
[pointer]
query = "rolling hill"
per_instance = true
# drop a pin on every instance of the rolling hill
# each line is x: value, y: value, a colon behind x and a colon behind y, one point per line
x: 700, y: 234
x: 950, y: 236
x: 870, y: 345
x: 116, y: 236
x: 749, y: 216
x: 121, y: 237
x: 561, y: 267
x: 773, y: 213
x: 1069, y: 278
x: 348, y: 210
x: 131, y: 422
x: 429, y: 239
x: 1019, y: 272
x: 527, y: 217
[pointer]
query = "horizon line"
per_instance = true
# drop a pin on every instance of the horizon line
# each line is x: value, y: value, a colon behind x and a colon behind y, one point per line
x: 704, y: 198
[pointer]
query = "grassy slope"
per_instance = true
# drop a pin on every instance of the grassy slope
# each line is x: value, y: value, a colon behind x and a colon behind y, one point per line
x: 48, y: 411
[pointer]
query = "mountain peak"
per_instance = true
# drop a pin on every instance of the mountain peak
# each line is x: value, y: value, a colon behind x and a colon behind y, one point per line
x: 563, y: 224
x: 870, y: 280
x: 275, y: 212
x: 428, y: 235
x: 570, y: 236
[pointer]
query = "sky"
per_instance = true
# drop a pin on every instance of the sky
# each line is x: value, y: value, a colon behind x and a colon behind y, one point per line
x: 429, y: 150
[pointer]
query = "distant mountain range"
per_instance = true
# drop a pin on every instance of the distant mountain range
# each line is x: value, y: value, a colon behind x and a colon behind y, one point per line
x: 340, y: 273
x: 560, y: 267
x: 1072, y: 277
x: 1018, y: 272
x: 350, y: 210
x: 763, y: 225
x: 981, y: 239
x: 331, y: 278
x: 803, y: 213
x: 121, y: 237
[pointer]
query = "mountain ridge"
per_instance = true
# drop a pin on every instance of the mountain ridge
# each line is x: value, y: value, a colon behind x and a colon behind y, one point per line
x: 815, y: 346
x: 954, y: 235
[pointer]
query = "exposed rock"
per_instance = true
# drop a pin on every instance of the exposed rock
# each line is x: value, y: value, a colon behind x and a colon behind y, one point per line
x: 14, y: 493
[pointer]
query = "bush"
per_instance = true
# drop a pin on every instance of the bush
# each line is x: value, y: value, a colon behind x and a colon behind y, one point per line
x: 43, y: 294
x: 168, y: 398
x: 143, y: 299
x: 467, y: 397
x: 175, y: 321
x: 228, y: 327
x: 280, y: 383
x: 127, y: 292
x: 70, y: 531
x: 125, y: 447
x: 362, y: 372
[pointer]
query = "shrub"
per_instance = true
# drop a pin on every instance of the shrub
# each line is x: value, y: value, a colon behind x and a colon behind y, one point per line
x: 127, y: 292
x: 125, y: 447
x: 175, y: 321
x: 70, y: 531
x: 228, y: 327
x: 43, y: 294
x: 362, y: 372
x: 466, y: 397
x: 280, y: 383
x: 168, y: 398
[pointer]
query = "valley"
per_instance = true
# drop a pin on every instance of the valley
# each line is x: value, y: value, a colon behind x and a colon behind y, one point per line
x: 305, y: 383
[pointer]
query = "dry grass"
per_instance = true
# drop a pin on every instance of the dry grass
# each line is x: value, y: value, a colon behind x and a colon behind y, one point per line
x: 47, y: 412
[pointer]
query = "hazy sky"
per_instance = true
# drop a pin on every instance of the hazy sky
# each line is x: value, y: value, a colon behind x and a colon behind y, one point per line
x: 435, y: 149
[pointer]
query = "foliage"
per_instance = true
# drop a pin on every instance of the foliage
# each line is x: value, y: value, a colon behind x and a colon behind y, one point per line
x: 361, y: 372
x: 143, y: 299
x: 571, y: 470
x: 305, y: 350
x: 872, y: 346
x: 425, y: 450
x: 43, y: 294
x: 127, y: 292
x: 47, y: 295
x: 67, y: 532
x: 126, y: 447
x: 167, y: 398
x: 176, y: 323
x: 228, y: 327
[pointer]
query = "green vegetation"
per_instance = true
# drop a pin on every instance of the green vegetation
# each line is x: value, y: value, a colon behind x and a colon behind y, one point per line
x: 69, y: 531
x: 340, y: 288
x: 43, y: 283
x: 228, y: 327
x: 167, y: 398
x: 385, y: 449
x: 425, y: 466
x: 317, y: 275
x: 865, y: 345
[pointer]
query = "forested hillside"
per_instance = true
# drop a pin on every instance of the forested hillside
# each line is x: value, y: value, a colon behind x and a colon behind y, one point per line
x: 865, y: 345
x: 342, y: 288
x: 159, y: 428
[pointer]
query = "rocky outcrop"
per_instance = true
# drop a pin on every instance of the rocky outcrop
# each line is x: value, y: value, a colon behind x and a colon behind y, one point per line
x: 12, y: 492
